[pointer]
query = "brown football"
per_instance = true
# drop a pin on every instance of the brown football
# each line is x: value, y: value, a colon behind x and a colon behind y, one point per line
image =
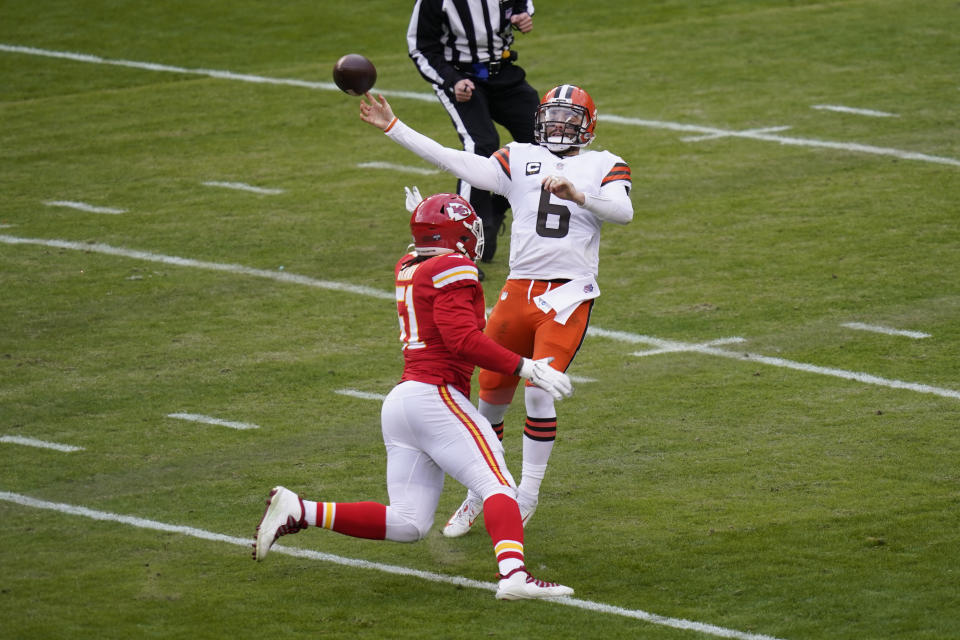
x: 354, y: 74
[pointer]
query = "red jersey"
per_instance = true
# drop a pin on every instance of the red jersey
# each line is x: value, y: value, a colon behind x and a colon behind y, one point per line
x: 442, y: 314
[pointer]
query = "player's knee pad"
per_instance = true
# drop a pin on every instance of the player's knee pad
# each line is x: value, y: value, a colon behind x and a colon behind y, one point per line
x: 402, y: 527
x: 408, y: 531
x: 539, y: 403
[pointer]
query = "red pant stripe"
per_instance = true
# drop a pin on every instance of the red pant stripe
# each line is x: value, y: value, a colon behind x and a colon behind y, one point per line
x: 475, y: 433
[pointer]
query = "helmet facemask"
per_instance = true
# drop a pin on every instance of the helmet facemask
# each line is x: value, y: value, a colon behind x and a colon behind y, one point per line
x: 476, y: 228
x: 561, y: 126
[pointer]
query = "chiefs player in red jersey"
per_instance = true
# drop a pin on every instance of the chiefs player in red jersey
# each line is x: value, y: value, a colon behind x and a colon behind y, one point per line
x: 429, y: 426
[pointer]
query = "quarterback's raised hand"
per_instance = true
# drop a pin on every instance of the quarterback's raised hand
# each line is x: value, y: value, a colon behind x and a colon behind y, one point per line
x: 540, y: 373
x: 376, y: 112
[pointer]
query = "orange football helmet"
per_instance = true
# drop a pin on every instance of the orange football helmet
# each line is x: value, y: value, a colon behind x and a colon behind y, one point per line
x: 565, y: 118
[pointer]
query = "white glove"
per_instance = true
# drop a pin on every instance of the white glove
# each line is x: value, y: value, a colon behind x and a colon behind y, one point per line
x: 413, y: 198
x: 540, y: 373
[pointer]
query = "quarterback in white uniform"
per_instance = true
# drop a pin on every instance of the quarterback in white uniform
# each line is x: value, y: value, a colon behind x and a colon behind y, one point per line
x: 560, y: 194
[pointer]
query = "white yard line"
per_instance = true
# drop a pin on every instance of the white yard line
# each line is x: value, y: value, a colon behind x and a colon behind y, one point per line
x: 279, y: 276
x: 853, y: 147
x: 40, y: 444
x: 195, y: 417
x: 398, y: 167
x: 83, y: 206
x: 242, y: 186
x: 859, y: 112
x: 661, y: 345
x: 457, y: 581
x: 210, y: 73
x: 857, y: 376
x: 753, y: 134
x: 671, y: 346
x: 859, y: 326
x: 727, y: 134
x: 676, y: 347
x: 866, y: 378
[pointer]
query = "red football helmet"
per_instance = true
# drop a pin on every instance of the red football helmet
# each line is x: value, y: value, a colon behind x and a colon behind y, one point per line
x: 446, y: 221
x: 565, y: 118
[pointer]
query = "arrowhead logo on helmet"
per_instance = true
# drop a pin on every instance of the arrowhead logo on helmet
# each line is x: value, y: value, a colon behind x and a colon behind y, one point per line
x: 459, y: 211
x: 446, y: 222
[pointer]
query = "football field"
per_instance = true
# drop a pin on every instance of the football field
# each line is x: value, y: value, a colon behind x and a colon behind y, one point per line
x: 197, y: 237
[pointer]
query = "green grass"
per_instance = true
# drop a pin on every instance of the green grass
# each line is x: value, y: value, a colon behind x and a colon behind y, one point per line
x: 733, y: 493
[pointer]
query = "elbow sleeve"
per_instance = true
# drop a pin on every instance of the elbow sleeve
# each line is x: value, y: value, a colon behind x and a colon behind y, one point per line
x: 618, y: 210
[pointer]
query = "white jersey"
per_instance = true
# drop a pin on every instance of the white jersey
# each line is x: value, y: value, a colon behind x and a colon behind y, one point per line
x: 550, y: 238
x: 553, y: 238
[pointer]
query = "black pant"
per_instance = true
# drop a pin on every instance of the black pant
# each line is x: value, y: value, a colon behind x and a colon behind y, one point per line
x: 508, y: 100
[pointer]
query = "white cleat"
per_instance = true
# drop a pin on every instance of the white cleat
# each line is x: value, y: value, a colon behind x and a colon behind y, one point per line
x: 526, y: 513
x: 520, y: 585
x: 283, y: 516
x: 460, y: 522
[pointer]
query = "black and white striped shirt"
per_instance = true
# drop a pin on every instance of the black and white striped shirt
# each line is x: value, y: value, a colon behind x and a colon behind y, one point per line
x: 446, y: 34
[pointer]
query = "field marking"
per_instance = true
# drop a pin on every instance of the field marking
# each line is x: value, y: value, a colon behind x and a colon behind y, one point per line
x: 210, y: 73
x: 859, y: 112
x: 279, y: 276
x: 753, y: 134
x: 40, y: 444
x: 887, y: 330
x: 676, y: 347
x: 857, y: 376
x: 363, y: 395
x: 83, y: 206
x: 714, y: 136
x: 853, y: 147
x: 664, y: 346
x: 196, y: 417
x: 670, y: 346
x: 459, y: 581
x: 397, y: 167
x: 242, y: 186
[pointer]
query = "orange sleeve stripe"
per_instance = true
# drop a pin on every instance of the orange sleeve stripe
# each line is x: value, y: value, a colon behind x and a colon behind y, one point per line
x: 503, y: 157
x: 392, y: 122
x: 620, y: 171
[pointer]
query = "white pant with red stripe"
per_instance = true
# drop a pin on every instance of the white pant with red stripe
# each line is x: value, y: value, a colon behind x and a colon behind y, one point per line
x: 429, y: 431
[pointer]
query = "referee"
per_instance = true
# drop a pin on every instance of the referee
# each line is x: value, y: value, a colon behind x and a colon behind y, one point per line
x: 462, y: 47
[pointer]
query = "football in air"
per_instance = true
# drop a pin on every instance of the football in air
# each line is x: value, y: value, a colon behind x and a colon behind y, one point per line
x: 354, y: 74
